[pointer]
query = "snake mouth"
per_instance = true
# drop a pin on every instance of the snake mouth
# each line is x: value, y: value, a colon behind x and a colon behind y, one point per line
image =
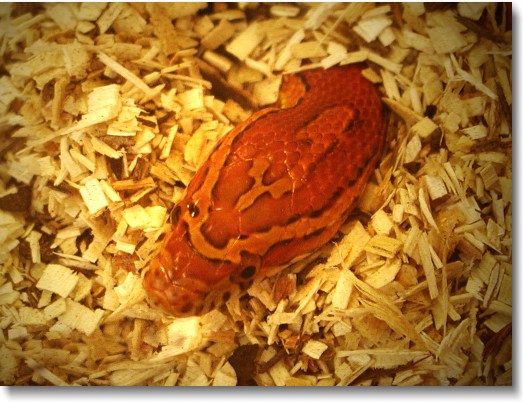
x: 179, y: 299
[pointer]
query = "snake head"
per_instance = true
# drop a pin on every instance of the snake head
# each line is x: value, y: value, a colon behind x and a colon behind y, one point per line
x: 179, y: 281
x: 177, y: 296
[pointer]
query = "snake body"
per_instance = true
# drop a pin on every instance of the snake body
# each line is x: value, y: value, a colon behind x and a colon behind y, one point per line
x: 277, y: 186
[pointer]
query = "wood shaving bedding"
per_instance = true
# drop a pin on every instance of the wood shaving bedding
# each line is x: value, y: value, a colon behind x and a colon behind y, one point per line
x: 107, y: 110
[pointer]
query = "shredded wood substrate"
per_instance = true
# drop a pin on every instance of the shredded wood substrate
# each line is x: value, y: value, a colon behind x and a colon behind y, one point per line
x: 108, y: 109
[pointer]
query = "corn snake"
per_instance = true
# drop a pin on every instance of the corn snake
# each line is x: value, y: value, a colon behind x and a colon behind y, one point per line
x: 276, y: 187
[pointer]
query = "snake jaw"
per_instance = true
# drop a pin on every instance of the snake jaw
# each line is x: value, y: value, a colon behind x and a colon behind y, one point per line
x: 170, y: 295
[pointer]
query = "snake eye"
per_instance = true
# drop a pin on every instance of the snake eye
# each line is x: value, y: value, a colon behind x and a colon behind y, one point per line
x: 194, y: 211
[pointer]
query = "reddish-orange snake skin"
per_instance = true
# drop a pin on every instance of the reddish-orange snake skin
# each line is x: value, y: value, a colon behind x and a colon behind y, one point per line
x: 276, y: 187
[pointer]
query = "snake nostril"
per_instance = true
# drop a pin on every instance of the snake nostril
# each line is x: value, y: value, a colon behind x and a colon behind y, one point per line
x: 248, y: 272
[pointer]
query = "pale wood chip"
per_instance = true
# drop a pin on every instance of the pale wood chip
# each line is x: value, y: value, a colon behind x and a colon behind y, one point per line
x: 427, y: 264
x: 308, y: 49
x: 424, y: 128
x: 279, y: 373
x: 148, y: 217
x: 446, y: 40
x: 192, y: 99
x: 284, y: 10
x: 91, y: 11
x: 55, y: 309
x: 435, y: 186
x: 125, y: 73
x: 225, y: 376
x: 425, y: 208
x: 476, y: 132
x: 80, y: 317
x: 383, y: 245
x: 472, y: 11
x: 404, y: 112
x: 317, y: 15
x: 286, y: 53
x: 476, y: 82
x: 385, y: 310
x: 220, y: 34
x: 504, y: 82
x: 385, y: 274
x: 215, y: 59
x: 342, y: 292
x: 370, y: 28
x: 93, y: 196
x: 416, y: 41
x: 314, y: 348
x: 382, y: 223
x: 63, y: 15
x: 131, y: 375
x: 102, y: 235
x: 58, y: 279
x: 244, y: 43
x: 266, y: 91
x: 489, y: 175
x: 44, y: 372
x: 108, y: 16
x: 184, y: 334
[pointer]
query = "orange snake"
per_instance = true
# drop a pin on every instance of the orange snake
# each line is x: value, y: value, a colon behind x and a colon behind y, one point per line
x: 276, y: 187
